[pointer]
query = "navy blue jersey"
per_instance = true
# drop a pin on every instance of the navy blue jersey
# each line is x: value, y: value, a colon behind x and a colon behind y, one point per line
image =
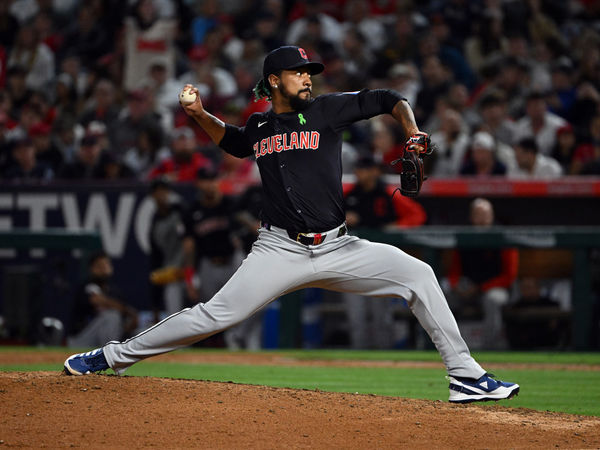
x: 299, y: 156
x: 212, y: 228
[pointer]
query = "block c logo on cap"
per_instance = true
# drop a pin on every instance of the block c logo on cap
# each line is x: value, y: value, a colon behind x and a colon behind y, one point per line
x: 302, y: 53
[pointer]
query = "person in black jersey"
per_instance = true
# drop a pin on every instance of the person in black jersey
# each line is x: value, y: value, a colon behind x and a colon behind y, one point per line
x: 303, y: 241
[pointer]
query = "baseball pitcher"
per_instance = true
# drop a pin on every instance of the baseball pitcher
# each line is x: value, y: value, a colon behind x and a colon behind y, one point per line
x: 303, y: 241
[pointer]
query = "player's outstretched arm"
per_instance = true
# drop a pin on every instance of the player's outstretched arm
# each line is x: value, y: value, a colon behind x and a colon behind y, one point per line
x: 418, y: 144
x: 213, y: 126
x: 403, y: 113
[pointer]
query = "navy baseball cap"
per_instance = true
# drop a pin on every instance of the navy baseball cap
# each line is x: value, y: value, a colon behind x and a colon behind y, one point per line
x: 289, y: 57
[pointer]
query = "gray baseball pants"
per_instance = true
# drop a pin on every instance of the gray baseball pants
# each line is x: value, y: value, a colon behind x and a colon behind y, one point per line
x: 278, y: 265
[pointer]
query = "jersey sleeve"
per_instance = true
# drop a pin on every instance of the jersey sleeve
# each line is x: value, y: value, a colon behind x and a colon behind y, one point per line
x: 345, y: 108
x: 235, y: 142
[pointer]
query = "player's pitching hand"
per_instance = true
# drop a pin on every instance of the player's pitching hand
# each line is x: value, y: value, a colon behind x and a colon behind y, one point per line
x: 189, y: 99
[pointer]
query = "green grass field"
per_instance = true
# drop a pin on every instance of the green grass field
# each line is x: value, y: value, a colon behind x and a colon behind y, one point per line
x: 573, y: 390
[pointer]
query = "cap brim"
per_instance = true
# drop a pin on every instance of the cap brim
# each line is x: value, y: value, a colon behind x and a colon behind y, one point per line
x: 313, y: 67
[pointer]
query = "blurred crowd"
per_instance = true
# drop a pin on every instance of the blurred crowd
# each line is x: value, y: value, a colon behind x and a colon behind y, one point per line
x: 89, y: 89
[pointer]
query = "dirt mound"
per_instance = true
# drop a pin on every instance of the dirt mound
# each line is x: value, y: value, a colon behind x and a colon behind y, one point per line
x: 48, y: 409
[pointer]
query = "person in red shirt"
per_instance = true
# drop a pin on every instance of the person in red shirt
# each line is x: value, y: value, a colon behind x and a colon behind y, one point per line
x: 186, y: 160
x: 480, y: 279
x: 370, y: 202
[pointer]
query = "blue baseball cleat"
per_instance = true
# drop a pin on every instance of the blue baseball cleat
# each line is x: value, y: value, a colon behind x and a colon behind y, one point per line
x: 467, y: 390
x: 86, y: 363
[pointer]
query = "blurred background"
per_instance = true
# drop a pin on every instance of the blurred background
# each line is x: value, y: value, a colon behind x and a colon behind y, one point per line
x: 116, y: 210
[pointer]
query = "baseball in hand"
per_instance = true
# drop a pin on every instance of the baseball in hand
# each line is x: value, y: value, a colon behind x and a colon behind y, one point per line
x: 186, y: 97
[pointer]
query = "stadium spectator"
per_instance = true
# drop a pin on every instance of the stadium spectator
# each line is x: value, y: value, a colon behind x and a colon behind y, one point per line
x: 457, y: 98
x: 563, y: 94
x: 386, y: 144
x: 86, y: 38
x: 209, y: 14
x: 586, y: 159
x: 237, y: 173
x: 17, y: 90
x: 89, y: 164
x: 357, y: 15
x: 25, y: 166
x: 487, y: 40
x: 215, y: 84
x: 185, y: 160
x: 34, y: 57
x: 147, y: 153
x: 404, y: 77
x: 114, y: 169
x: 99, y: 130
x: 482, y: 160
x: 452, y: 143
x: 165, y: 90
x: 81, y: 76
x: 400, y: 43
x: 66, y: 101
x: 39, y: 102
x: 460, y: 16
x: 539, y: 123
x: 355, y: 54
x: 64, y: 138
x: 589, y: 150
x: 102, y: 107
x: 436, y: 42
x: 494, y: 117
x: 137, y: 115
x: 436, y: 81
x: 268, y: 30
x: 314, y: 11
x: 44, y: 26
x: 45, y: 149
x: 513, y: 80
x: 587, y: 102
x: 28, y: 117
x: 564, y: 149
x: 147, y: 36
x: 315, y: 42
x: 531, y: 164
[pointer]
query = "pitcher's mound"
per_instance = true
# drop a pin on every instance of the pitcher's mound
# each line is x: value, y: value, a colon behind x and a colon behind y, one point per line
x: 48, y: 409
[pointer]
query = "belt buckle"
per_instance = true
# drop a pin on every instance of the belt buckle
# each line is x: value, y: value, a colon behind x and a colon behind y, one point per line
x: 317, y: 238
x: 301, y: 235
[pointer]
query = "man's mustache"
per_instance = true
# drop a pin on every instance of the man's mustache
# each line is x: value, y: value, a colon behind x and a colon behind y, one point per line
x: 305, y: 90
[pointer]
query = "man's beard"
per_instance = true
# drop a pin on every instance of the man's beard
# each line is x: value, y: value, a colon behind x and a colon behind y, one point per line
x: 296, y: 103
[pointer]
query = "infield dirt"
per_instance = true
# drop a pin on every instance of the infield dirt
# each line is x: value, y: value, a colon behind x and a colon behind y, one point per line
x: 49, y: 409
